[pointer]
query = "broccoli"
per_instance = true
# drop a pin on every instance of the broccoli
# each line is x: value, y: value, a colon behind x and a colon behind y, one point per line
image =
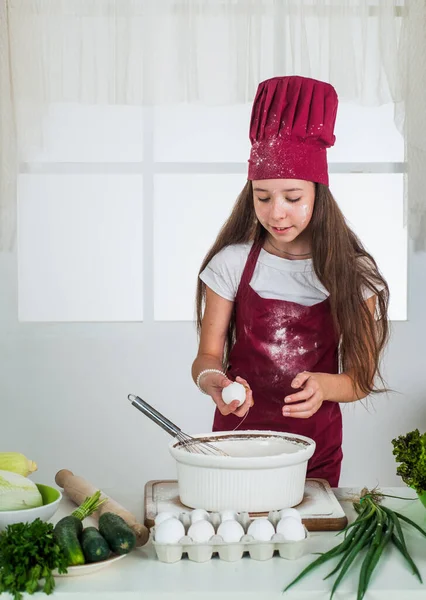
x: 410, y: 451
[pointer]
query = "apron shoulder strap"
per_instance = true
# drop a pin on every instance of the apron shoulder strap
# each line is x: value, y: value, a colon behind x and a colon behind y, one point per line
x: 249, y: 267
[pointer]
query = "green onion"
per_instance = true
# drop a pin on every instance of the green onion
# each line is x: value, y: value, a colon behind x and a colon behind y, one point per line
x: 89, y: 506
x: 364, y: 540
x: 372, y: 531
x: 376, y: 555
x: 410, y: 522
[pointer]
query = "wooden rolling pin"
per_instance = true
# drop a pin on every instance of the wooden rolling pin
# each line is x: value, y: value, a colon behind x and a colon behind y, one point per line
x: 78, y: 489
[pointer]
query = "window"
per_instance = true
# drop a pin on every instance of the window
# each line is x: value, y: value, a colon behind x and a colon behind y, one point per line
x: 120, y: 207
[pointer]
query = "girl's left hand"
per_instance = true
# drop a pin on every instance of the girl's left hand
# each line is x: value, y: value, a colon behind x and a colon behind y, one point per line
x: 311, y: 397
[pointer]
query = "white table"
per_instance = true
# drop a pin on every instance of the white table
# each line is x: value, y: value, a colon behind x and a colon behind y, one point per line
x: 142, y: 575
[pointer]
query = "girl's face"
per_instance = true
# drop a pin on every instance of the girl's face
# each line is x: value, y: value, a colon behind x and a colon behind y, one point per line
x: 284, y: 206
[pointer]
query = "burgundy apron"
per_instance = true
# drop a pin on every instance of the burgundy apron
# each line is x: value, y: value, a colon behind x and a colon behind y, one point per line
x: 276, y: 340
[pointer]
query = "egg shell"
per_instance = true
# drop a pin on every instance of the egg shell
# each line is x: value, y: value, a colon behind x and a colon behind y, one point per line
x: 234, y: 391
x: 201, y: 531
x: 291, y: 529
x: 199, y: 514
x: 163, y: 516
x: 228, y: 515
x: 261, y: 529
x: 290, y: 512
x: 169, y: 531
x: 231, y: 531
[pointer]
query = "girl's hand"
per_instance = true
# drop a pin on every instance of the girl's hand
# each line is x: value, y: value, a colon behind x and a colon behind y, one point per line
x: 213, y: 384
x: 311, y: 397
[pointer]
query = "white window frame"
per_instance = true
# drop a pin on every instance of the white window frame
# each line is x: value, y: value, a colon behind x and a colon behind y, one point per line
x: 149, y: 168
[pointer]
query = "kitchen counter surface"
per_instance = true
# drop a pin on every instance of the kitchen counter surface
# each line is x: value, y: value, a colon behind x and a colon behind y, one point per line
x: 141, y: 575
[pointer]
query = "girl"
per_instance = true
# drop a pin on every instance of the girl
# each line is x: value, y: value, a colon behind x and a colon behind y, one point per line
x: 295, y: 308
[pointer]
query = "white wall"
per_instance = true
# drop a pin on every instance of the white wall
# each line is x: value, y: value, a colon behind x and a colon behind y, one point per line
x: 63, y: 391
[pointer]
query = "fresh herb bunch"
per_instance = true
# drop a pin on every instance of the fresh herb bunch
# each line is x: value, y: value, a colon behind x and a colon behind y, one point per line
x: 372, y: 531
x: 28, y: 554
x: 410, y: 451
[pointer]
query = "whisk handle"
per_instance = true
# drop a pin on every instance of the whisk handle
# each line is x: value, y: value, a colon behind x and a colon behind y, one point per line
x: 154, y: 415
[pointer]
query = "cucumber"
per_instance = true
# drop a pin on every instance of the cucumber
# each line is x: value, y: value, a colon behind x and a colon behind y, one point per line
x: 120, y: 537
x: 67, y: 532
x: 95, y: 547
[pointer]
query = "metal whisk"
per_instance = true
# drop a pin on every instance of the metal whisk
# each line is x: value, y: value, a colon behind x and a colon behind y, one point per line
x: 186, y: 441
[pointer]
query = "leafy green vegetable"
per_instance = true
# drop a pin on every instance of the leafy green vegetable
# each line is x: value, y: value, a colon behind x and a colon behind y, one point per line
x: 410, y: 451
x: 29, y: 553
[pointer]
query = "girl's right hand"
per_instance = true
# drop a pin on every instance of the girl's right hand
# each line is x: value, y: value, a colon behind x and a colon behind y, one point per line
x: 213, y: 384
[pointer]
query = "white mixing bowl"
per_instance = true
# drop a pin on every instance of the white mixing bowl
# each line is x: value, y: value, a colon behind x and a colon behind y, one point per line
x: 265, y: 470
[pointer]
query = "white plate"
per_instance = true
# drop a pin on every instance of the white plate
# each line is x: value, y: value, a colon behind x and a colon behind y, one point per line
x: 89, y: 567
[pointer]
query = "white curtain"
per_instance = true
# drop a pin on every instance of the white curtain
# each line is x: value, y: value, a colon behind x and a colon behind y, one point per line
x: 8, y: 139
x: 208, y: 51
x: 412, y: 73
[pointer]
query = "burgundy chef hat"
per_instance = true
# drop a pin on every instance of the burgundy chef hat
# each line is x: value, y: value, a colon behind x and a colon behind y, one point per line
x: 291, y: 127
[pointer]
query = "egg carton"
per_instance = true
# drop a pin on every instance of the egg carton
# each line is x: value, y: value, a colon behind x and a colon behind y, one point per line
x: 230, y: 551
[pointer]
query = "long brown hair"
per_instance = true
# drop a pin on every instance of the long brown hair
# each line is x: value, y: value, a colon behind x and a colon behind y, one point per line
x: 345, y: 269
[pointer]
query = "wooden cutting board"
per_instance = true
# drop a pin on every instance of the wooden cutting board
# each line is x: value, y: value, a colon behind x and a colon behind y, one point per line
x: 319, y: 508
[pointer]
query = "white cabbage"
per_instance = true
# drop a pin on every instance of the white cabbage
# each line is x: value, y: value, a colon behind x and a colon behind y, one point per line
x: 17, y: 492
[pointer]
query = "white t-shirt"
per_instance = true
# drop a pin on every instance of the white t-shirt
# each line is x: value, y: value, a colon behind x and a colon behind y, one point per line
x: 274, y: 277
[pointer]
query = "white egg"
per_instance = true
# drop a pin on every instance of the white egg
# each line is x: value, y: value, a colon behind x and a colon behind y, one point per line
x: 169, y: 531
x: 201, y: 531
x: 290, y: 512
x: 291, y: 529
x: 231, y: 531
x: 261, y: 529
x: 163, y: 516
x: 234, y: 391
x: 228, y: 515
x: 199, y: 514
